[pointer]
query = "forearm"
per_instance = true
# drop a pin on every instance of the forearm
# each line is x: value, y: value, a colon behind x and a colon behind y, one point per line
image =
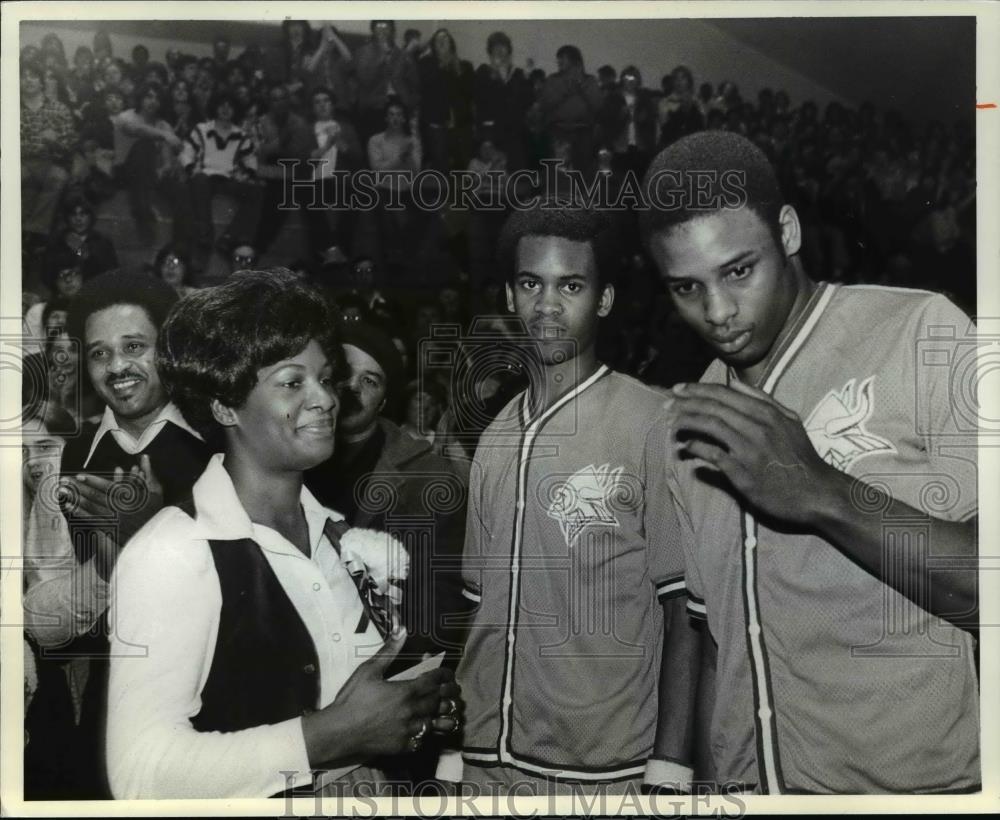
x: 866, y: 524
x: 341, y: 46
x: 151, y: 756
x: 678, y: 688
x: 335, y: 737
x: 63, y: 607
x: 138, y: 129
x: 312, y: 61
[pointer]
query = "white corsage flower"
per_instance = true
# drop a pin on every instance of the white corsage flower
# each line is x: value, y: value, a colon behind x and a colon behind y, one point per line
x: 379, y: 556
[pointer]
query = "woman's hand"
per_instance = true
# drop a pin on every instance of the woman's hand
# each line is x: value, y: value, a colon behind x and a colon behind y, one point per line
x: 372, y: 716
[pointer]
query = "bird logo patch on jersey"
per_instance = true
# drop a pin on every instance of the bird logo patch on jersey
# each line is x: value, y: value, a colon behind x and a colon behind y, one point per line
x: 583, y: 500
x: 836, y: 426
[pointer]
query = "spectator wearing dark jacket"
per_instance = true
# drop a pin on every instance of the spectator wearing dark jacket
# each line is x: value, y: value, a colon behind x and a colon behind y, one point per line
x: 331, y: 66
x: 569, y: 104
x: 383, y: 70
x: 628, y: 122
x: 381, y: 478
x: 502, y: 95
x: 298, y: 48
x: 283, y: 137
x: 93, y: 250
x: 680, y: 112
x: 446, y: 86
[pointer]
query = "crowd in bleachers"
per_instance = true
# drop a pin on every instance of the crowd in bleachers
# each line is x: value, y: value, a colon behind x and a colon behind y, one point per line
x: 881, y: 199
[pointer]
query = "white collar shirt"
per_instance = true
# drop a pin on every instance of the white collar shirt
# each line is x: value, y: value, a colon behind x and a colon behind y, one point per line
x: 129, y: 443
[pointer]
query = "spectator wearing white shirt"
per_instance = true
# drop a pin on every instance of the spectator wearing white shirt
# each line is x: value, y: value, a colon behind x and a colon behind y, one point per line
x: 336, y: 153
x: 397, y: 148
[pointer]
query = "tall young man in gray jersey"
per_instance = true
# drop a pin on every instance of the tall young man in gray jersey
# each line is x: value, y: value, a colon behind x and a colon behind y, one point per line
x: 831, y: 469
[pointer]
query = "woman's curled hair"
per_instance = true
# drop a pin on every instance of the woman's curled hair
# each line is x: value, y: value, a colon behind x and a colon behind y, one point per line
x: 216, y: 339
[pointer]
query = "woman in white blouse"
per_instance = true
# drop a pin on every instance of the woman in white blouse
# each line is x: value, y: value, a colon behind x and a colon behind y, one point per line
x: 251, y: 629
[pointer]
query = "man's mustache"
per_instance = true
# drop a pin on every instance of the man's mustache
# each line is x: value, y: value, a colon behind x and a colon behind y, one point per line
x: 349, y: 402
x: 117, y: 377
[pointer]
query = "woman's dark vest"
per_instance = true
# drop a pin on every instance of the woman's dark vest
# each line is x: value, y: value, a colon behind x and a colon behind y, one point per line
x: 265, y: 669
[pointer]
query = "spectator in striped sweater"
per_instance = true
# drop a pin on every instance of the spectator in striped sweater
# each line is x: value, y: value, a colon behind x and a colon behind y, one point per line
x: 220, y: 158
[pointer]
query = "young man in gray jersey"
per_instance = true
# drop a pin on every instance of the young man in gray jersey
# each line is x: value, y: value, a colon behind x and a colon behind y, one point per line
x: 830, y: 470
x: 580, y: 667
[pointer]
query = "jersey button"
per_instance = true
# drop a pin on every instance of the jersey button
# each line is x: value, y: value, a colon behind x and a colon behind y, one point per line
x: 764, y: 713
x: 754, y: 629
x: 750, y: 542
x: 335, y: 636
x: 317, y: 587
x: 309, y: 668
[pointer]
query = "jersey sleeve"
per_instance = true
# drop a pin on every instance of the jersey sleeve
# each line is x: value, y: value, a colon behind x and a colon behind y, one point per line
x: 476, y: 535
x: 676, y: 477
x: 948, y: 414
x: 661, y: 523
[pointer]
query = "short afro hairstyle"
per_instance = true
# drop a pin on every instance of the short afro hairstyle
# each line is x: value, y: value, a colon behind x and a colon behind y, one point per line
x: 217, y: 339
x: 556, y: 217
x: 719, y: 153
x: 120, y: 287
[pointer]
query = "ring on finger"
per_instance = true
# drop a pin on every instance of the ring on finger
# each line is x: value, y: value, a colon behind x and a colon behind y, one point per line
x: 452, y: 707
x: 418, y: 738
